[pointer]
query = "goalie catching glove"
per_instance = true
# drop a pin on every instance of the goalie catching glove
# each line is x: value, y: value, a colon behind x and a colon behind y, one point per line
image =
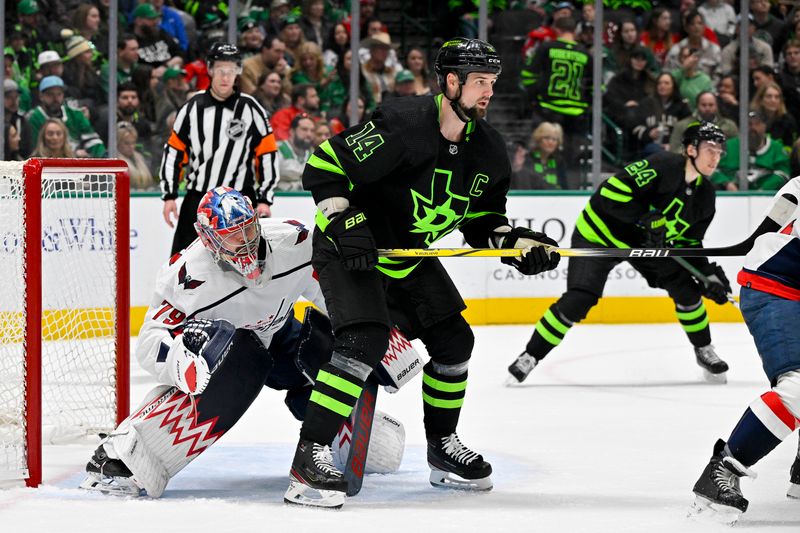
x: 536, y: 260
x: 198, y: 352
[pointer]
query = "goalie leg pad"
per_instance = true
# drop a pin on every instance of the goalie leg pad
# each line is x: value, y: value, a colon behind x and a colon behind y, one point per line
x: 170, y: 429
x: 386, y: 445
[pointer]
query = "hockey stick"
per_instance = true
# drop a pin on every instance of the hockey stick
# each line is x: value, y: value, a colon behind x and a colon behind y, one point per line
x: 769, y: 224
x: 702, y: 278
x: 781, y: 210
x: 361, y: 420
x: 623, y: 253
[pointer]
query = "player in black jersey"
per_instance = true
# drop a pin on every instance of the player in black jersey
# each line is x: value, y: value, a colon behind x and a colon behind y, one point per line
x: 666, y: 199
x: 421, y: 168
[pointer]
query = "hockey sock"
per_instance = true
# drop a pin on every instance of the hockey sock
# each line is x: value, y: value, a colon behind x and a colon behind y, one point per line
x: 549, y: 333
x: 442, y: 398
x: 335, y: 394
x: 764, y: 425
x: 694, y: 321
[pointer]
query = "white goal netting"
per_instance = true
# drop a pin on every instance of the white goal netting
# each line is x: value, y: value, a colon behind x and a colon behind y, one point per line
x: 78, y: 327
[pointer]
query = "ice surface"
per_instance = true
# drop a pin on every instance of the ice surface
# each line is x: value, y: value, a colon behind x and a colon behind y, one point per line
x: 608, y: 434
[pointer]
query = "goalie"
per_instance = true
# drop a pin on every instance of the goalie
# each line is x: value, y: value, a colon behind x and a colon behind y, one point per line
x: 219, y: 328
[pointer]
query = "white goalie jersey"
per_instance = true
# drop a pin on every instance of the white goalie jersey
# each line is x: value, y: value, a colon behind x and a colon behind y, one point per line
x: 192, y: 285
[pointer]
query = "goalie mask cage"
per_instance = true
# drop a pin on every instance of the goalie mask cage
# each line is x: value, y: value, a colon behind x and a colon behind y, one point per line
x: 64, y: 305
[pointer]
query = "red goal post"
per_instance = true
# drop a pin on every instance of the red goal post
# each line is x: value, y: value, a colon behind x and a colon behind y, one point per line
x: 64, y: 305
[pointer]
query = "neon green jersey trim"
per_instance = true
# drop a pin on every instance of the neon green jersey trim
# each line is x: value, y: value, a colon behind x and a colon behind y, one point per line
x: 318, y: 162
x: 615, y: 196
x: 602, y: 227
x: 397, y: 274
x: 588, y: 232
x: 619, y: 184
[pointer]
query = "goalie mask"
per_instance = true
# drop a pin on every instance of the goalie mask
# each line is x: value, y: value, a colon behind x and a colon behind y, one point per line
x: 228, y: 227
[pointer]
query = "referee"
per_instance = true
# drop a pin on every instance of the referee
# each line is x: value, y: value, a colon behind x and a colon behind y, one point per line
x: 220, y: 137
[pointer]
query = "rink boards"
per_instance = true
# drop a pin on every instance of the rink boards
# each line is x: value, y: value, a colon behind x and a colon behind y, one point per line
x: 495, y: 293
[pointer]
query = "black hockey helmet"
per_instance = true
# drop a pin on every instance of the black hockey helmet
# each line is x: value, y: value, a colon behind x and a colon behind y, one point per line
x: 462, y: 56
x: 221, y: 51
x: 698, y: 132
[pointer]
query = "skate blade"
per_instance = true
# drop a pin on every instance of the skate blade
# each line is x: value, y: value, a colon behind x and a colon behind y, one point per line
x: 511, y: 381
x: 794, y: 491
x: 301, y: 494
x: 116, y: 486
x: 704, y: 510
x: 449, y: 480
x: 719, y: 379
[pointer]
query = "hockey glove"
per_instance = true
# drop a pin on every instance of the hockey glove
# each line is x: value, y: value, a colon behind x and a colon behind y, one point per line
x: 198, y: 352
x: 353, y: 239
x: 718, y: 286
x: 654, y: 227
x: 537, y: 259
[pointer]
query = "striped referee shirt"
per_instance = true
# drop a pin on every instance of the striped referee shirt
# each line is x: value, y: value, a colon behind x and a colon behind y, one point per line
x: 215, y: 143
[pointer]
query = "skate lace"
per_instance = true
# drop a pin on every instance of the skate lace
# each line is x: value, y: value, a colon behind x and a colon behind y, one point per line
x: 323, y: 459
x: 707, y: 354
x: 525, y: 362
x: 724, y: 479
x: 454, y: 448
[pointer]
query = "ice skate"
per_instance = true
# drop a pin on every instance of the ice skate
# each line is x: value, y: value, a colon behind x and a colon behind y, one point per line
x: 520, y: 368
x: 717, y: 493
x: 109, y: 476
x: 314, y: 480
x: 455, y: 466
x: 714, y: 369
x: 794, y: 480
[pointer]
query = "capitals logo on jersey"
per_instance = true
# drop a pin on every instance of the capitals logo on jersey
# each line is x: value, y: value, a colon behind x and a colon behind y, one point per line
x: 186, y: 280
x: 302, y: 232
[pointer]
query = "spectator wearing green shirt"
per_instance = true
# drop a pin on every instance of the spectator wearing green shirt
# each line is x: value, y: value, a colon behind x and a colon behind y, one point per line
x: 768, y: 168
x: 691, y: 80
x: 82, y: 137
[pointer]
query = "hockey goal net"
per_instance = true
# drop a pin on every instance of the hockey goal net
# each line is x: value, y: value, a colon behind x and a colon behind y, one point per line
x: 64, y: 305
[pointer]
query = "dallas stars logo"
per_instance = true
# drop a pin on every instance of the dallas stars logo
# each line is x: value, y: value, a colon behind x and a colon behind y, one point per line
x: 438, y: 220
x: 675, y: 224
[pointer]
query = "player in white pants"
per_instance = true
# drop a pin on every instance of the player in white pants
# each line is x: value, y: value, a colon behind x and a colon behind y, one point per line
x: 219, y: 328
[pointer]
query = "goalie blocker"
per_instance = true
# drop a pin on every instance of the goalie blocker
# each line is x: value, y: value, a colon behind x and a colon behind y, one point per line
x: 219, y: 371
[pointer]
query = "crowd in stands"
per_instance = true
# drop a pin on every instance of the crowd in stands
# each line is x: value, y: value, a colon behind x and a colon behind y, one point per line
x: 665, y: 64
